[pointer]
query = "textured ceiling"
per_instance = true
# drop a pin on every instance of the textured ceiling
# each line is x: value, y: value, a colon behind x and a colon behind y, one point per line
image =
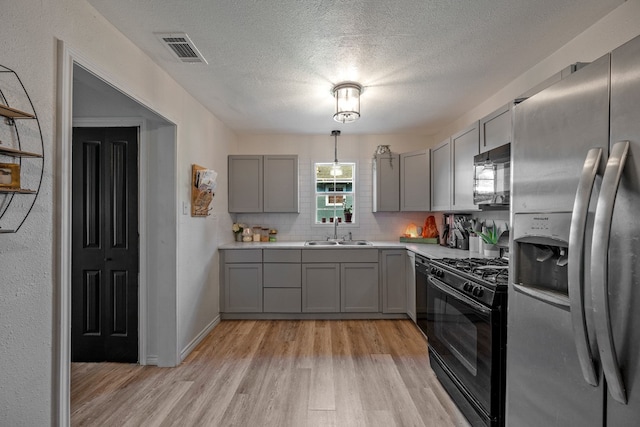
x: 272, y: 63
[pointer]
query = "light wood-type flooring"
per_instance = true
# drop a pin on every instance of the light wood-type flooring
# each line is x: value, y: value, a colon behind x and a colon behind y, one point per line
x: 275, y: 373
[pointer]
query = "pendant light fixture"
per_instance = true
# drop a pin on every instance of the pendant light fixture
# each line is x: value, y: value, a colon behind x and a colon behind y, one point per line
x: 336, y: 170
x: 347, y: 97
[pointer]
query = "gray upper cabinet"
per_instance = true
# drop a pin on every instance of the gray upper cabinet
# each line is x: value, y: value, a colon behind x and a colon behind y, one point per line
x: 281, y: 183
x: 441, y: 176
x: 415, y: 181
x: 495, y: 129
x: 401, y: 182
x: 386, y: 182
x: 245, y: 183
x: 464, y: 145
x: 263, y: 183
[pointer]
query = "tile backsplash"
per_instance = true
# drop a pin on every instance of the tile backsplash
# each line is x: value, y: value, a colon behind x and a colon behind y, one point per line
x: 367, y: 224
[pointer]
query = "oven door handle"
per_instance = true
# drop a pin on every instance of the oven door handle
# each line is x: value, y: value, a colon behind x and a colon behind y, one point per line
x: 460, y: 297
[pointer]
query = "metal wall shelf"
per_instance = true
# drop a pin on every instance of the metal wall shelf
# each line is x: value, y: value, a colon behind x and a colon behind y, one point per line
x: 21, y: 144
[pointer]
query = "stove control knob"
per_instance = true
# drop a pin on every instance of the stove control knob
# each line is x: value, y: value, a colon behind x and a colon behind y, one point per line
x: 467, y: 286
x: 440, y: 273
x: 478, y: 292
x: 433, y: 270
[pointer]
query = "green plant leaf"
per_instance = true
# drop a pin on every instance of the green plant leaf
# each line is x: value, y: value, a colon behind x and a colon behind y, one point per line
x: 491, y: 236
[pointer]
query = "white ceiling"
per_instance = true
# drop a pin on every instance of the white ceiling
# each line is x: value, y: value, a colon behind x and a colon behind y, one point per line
x: 273, y: 63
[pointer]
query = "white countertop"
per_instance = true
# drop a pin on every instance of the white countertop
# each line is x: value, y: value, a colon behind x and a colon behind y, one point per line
x: 427, y: 250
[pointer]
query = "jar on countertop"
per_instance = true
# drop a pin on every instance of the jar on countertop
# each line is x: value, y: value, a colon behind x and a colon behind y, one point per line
x: 256, y: 233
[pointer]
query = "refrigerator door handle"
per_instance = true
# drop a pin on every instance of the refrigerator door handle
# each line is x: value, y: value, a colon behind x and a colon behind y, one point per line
x: 576, y: 264
x: 599, y: 269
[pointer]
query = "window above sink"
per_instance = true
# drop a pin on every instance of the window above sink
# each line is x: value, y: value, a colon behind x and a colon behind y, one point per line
x: 335, y: 192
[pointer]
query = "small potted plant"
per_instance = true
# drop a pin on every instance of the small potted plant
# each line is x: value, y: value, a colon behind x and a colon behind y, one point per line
x: 490, y: 238
x: 348, y: 211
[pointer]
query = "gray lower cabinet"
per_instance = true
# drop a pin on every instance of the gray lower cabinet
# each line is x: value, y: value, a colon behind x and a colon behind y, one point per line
x: 241, y: 278
x: 338, y: 280
x: 243, y: 288
x: 359, y: 290
x: 394, y: 283
x: 282, y: 300
x: 321, y: 288
x: 282, y: 281
x: 314, y: 281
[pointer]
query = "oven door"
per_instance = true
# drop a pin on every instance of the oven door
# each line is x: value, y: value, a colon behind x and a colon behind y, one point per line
x: 460, y: 333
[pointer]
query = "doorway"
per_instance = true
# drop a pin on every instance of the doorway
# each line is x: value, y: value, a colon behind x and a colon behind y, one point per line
x: 89, y: 98
x: 105, y: 246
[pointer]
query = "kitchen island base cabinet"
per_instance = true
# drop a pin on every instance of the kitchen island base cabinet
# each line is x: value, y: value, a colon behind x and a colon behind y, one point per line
x: 359, y: 288
x: 321, y: 288
x: 243, y: 288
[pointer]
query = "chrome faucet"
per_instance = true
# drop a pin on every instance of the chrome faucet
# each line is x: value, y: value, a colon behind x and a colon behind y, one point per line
x: 335, y: 228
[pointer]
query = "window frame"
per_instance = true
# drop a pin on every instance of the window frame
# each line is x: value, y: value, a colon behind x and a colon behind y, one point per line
x: 315, y: 217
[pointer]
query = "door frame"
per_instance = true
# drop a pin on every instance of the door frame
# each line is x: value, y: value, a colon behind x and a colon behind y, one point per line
x: 167, y: 341
x: 141, y: 124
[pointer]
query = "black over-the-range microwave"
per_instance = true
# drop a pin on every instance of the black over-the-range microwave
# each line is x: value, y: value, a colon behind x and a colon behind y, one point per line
x: 491, y: 178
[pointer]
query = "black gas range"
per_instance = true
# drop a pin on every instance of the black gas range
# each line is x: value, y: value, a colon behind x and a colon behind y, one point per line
x: 478, y: 278
x: 461, y: 308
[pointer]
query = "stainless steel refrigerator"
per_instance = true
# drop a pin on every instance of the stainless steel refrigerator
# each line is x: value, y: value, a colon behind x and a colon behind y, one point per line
x: 573, y: 340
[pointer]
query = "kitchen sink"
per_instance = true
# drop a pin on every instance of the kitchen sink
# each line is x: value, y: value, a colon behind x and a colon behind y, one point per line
x: 337, y: 243
x: 320, y: 243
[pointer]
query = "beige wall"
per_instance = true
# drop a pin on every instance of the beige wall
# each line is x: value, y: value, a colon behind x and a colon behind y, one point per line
x: 30, y: 30
x: 614, y: 29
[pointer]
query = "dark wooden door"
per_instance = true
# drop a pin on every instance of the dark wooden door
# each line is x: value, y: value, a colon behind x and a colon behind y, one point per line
x: 104, y: 324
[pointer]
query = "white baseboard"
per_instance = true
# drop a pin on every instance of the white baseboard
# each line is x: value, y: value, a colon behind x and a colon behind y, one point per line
x: 152, y: 360
x: 194, y: 343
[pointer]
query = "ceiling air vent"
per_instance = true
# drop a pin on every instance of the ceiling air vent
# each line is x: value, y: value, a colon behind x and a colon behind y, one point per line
x: 182, y: 47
